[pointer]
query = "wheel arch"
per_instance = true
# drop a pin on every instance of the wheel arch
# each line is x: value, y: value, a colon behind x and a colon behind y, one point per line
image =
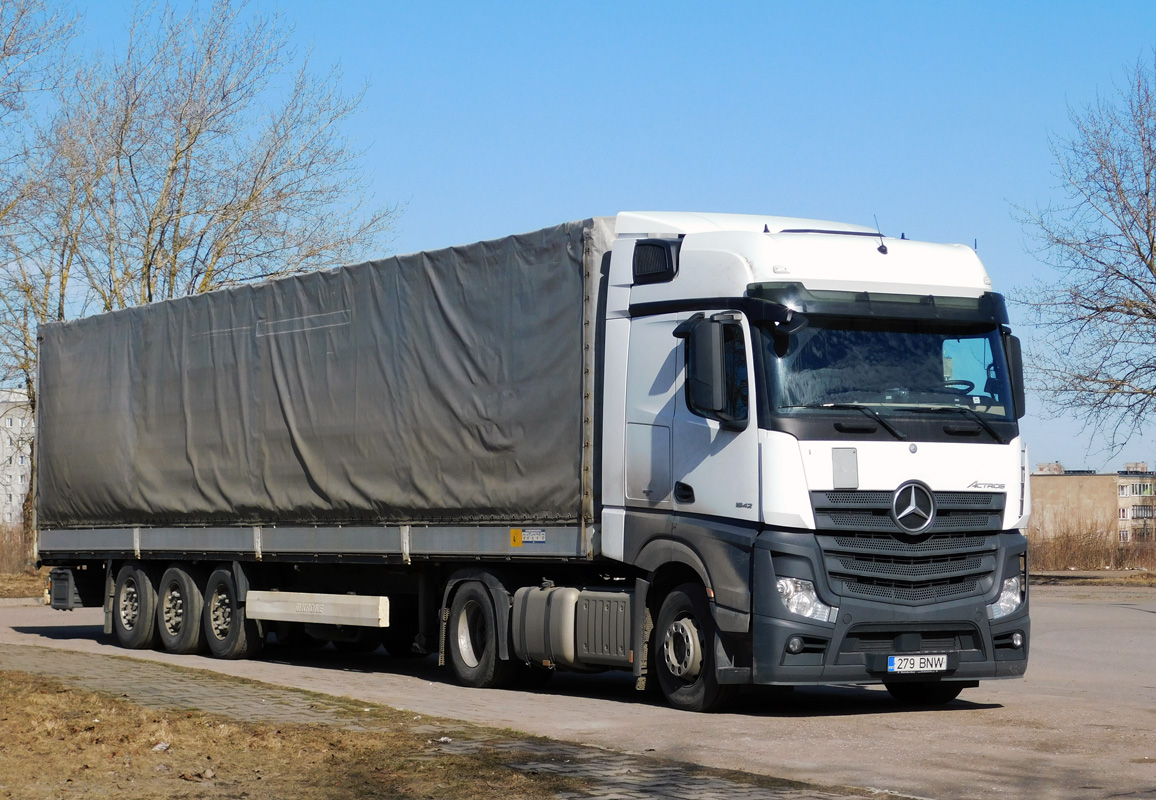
x: 500, y: 597
x: 669, y: 563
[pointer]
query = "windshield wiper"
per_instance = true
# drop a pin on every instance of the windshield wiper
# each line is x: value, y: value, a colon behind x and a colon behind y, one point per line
x: 868, y: 410
x: 967, y: 412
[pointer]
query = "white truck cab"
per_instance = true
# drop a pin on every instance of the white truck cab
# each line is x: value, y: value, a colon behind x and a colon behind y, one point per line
x: 820, y: 423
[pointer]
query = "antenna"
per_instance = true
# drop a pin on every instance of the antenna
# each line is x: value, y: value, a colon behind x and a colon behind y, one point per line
x: 882, y: 248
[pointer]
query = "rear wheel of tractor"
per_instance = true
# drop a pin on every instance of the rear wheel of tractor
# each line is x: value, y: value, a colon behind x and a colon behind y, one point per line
x: 924, y: 693
x: 134, y: 608
x: 684, y: 652
x: 228, y: 632
x: 473, y: 639
x: 180, y: 603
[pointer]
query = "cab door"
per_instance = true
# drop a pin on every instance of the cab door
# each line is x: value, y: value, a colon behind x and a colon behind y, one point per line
x: 716, y: 440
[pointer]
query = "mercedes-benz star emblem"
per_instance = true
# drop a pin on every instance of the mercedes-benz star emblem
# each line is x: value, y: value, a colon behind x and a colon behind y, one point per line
x: 913, y: 507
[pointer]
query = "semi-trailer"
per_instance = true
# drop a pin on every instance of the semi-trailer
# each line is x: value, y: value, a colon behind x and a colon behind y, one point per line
x: 714, y: 450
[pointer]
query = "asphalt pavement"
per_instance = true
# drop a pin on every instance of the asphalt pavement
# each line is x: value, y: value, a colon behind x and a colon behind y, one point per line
x: 1080, y: 725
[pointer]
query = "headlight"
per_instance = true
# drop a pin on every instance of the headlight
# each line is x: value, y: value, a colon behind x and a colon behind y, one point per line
x: 1010, y: 597
x: 799, y: 597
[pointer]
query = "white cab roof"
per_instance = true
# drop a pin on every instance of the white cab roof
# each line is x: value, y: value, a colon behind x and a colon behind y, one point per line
x: 665, y: 223
x: 723, y: 253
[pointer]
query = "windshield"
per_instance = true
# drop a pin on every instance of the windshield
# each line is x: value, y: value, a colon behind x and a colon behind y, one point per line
x: 889, y: 364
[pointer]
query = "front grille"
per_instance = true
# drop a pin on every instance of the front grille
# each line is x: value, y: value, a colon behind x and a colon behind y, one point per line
x: 885, y: 543
x: 857, y: 564
x: 883, y: 499
x: 915, y: 594
x: 881, y: 520
x: 866, y: 555
x: 879, y: 566
x: 956, y: 511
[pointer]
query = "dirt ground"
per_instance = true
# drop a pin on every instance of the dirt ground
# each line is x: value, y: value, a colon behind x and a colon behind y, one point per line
x: 88, y: 745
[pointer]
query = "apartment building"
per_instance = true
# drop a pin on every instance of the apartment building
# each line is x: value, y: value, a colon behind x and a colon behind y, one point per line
x: 1123, y: 502
x: 15, y: 463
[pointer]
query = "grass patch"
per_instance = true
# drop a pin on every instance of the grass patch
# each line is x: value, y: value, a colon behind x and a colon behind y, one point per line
x: 1079, y: 545
x: 57, y: 742
x: 24, y: 584
x: 1143, y: 580
x: 15, y: 552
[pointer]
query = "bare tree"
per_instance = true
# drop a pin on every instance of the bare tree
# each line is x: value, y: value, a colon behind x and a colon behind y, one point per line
x: 33, y: 40
x: 220, y: 165
x: 206, y: 154
x: 1095, y: 355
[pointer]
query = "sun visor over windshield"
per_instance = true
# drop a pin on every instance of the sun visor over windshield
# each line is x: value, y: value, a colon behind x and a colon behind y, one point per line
x: 988, y: 307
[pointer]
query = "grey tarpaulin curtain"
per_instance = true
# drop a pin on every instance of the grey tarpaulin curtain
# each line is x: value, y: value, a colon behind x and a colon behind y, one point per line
x: 438, y: 386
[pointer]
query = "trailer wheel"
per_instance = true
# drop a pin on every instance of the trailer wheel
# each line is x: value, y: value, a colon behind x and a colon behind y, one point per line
x: 924, y: 693
x: 134, y: 608
x: 684, y: 652
x: 473, y: 639
x: 180, y: 604
x: 228, y: 632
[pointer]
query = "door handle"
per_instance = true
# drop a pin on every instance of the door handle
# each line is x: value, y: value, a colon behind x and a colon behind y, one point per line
x: 683, y: 493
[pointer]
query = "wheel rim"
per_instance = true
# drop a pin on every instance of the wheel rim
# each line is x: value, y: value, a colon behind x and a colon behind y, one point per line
x: 173, y: 609
x: 471, y: 634
x: 129, y: 604
x: 221, y: 613
x: 682, y: 650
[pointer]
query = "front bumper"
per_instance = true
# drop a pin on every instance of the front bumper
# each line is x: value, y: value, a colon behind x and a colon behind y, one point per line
x: 855, y: 648
x: 855, y: 645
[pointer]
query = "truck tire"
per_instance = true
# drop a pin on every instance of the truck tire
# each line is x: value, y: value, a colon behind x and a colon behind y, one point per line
x: 180, y: 604
x: 134, y: 608
x: 473, y: 639
x: 684, y: 652
x: 228, y: 632
x: 924, y: 693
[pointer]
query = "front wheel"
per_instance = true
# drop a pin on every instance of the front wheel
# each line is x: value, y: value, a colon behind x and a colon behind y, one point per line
x: 473, y: 639
x: 684, y: 652
x: 228, y: 632
x: 924, y: 693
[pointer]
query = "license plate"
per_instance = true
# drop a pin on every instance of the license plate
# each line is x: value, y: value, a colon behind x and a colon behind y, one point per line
x: 917, y: 663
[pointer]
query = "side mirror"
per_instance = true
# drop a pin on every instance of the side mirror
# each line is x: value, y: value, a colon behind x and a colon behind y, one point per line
x: 706, y: 368
x: 1015, y: 365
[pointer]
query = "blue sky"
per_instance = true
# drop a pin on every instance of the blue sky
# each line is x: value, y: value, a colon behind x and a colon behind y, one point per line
x: 485, y: 119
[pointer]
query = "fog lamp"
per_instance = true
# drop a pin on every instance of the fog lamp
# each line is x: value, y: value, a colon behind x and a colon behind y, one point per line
x: 799, y: 597
x: 1017, y: 640
x: 795, y: 645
